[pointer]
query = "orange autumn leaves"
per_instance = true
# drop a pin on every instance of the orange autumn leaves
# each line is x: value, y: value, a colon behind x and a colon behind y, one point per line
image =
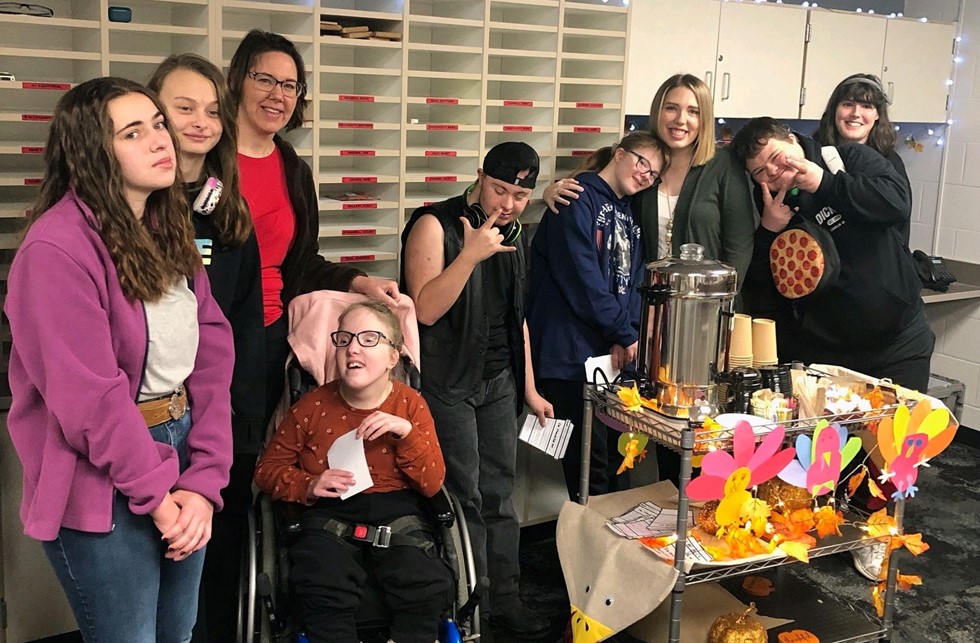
x: 881, y: 525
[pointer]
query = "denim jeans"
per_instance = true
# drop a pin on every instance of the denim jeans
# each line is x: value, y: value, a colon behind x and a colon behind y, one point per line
x: 479, y: 443
x: 120, y: 586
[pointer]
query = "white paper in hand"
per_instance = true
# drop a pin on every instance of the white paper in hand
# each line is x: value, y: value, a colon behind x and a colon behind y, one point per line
x: 347, y: 453
x: 603, y: 363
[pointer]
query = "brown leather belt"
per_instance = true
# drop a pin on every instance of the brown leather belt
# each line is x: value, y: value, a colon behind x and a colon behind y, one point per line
x: 162, y: 409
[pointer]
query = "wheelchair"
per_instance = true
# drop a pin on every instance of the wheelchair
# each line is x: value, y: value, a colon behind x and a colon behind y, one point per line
x: 263, y: 597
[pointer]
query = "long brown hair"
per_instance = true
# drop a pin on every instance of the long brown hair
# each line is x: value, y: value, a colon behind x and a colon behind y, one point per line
x: 231, y: 217
x: 704, y: 146
x: 859, y: 88
x: 149, y: 253
x: 631, y: 142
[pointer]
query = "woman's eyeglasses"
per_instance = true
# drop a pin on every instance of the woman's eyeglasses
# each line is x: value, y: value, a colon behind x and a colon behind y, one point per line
x: 266, y: 82
x: 366, y: 338
x: 643, y: 166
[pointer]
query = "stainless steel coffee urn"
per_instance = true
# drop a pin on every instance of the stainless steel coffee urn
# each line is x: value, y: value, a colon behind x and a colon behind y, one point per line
x: 685, y: 328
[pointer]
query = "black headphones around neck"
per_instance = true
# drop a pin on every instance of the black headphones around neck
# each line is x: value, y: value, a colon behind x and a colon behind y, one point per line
x: 477, y: 216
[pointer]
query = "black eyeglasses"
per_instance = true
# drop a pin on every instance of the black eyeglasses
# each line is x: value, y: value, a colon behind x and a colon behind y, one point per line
x: 366, y: 338
x: 644, y: 167
x: 267, y: 83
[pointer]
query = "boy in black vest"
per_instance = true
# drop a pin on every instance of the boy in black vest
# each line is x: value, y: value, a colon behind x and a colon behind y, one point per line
x: 465, y: 267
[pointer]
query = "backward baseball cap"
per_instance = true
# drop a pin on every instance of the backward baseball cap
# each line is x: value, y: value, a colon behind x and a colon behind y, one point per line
x: 505, y: 162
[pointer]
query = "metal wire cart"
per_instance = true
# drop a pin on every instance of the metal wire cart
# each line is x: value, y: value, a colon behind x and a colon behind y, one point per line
x: 688, y: 437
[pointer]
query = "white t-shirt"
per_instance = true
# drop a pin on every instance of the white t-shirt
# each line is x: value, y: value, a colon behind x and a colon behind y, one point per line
x: 173, y: 338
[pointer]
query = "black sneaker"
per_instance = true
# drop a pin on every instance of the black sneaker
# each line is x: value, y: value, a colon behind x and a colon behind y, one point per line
x: 517, y: 619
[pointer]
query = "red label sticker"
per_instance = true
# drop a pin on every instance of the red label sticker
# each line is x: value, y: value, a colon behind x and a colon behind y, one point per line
x: 442, y: 127
x: 517, y: 128
x: 355, y: 125
x: 518, y: 103
x: 441, y: 101
x: 32, y: 150
x: 35, y: 85
x: 589, y: 105
x: 357, y: 152
x: 33, y: 181
x: 349, y: 258
x: 581, y: 152
x: 440, y: 152
x: 36, y: 118
x: 356, y: 98
x: 586, y: 130
x: 359, y: 179
x: 359, y: 206
x: 440, y: 179
x: 361, y: 232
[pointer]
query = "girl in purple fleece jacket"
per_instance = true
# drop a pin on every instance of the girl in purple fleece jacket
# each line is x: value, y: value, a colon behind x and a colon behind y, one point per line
x: 117, y: 345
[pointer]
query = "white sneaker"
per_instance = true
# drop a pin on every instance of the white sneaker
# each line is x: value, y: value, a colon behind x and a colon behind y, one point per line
x: 868, y: 560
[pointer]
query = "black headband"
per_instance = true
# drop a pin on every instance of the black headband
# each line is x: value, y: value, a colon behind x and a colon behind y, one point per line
x: 873, y: 82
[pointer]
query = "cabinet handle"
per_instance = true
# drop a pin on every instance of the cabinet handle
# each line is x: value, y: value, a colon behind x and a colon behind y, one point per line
x: 891, y: 92
x: 709, y: 80
x: 726, y: 85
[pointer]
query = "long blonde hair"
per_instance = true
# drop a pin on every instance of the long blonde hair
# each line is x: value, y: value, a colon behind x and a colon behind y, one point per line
x: 704, y: 146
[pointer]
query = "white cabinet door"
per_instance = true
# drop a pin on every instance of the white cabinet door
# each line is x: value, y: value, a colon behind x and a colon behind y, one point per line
x: 839, y: 44
x: 760, y: 60
x: 917, y: 63
x: 666, y: 38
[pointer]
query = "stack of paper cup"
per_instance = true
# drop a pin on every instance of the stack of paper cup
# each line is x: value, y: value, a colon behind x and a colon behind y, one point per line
x: 764, y: 343
x: 740, y: 353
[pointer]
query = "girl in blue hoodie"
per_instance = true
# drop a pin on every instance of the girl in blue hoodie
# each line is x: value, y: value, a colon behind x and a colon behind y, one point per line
x: 585, y: 266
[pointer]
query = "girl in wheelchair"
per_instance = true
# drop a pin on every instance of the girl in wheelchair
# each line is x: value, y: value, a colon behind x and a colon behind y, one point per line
x: 342, y: 541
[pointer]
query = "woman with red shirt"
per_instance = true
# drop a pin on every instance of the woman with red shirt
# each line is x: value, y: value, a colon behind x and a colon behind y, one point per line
x: 267, y: 79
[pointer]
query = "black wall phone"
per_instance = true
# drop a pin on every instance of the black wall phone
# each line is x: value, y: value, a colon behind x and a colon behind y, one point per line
x: 933, y: 271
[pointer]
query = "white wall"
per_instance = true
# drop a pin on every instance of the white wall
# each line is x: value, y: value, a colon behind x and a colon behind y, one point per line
x: 957, y: 324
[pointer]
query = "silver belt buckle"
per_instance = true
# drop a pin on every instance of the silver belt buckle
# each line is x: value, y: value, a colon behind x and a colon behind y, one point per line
x: 178, y: 404
x: 382, y: 537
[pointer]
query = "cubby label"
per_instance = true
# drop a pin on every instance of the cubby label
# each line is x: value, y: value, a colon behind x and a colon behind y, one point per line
x: 355, y: 98
x: 586, y: 130
x: 518, y: 103
x: 358, y: 232
x: 440, y: 152
x: 359, y: 179
x: 581, y: 152
x: 36, y: 181
x: 359, y: 206
x: 357, y: 152
x: 441, y: 101
x: 442, y: 127
x: 36, y: 118
x: 517, y: 128
x: 589, y: 105
x: 36, y: 85
x: 440, y: 179
x: 349, y: 258
x: 343, y: 125
x: 32, y: 150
